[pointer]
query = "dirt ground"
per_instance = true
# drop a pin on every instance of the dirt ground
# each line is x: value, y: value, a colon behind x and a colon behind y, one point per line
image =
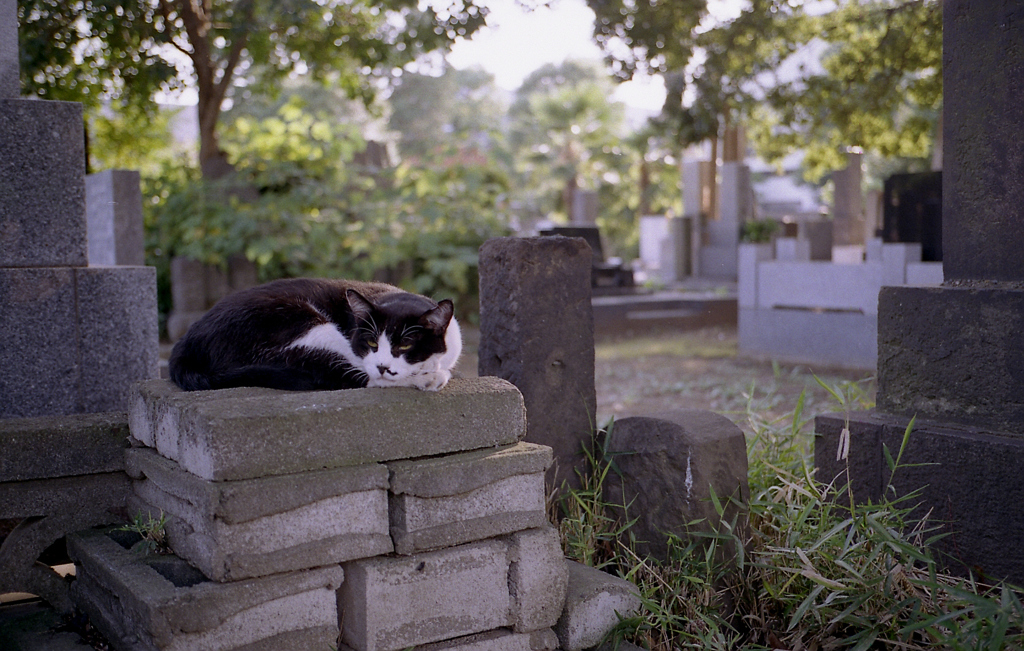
x: 700, y: 370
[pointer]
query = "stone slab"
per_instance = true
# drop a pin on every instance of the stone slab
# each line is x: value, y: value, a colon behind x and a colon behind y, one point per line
x: 836, y: 339
x: 145, y: 602
x: 62, y: 446
x: 39, y: 360
x: 240, y: 529
x: 42, y: 184
x: 537, y: 331
x: 953, y: 353
x: 392, y: 603
x: 450, y: 500
x: 120, y: 334
x: 497, y: 640
x: 47, y: 510
x: 969, y: 480
x: 113, y: 205
x: 983, y: 155
x: 246, y: 433
x: 666, y: 467
x: 538, y: 579
x: 594, y: 604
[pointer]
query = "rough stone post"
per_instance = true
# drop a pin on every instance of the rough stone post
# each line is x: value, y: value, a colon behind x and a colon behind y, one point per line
x: 953, y: 355
x: 537, y: 331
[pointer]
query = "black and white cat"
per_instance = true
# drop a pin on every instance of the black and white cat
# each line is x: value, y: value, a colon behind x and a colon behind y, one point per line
x: 303, y: 334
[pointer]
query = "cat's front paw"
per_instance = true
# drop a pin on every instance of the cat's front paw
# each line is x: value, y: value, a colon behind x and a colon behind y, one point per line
x: 432, y: 380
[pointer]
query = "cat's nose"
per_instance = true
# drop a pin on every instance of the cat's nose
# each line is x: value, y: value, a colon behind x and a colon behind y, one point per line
x: 383, y: 369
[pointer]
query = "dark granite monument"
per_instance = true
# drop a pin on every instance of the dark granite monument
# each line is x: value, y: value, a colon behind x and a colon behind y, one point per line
x: 953, y: 355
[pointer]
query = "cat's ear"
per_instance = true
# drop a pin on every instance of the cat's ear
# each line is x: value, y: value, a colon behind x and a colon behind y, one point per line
x: 438, y: 318
x: 361, y: 308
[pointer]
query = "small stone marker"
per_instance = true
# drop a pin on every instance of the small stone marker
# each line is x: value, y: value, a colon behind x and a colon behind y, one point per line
x: 537, y: 332
x: 665, y: 468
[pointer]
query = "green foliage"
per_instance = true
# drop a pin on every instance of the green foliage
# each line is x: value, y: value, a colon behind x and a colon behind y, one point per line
x: 153, y: 532
x: 299, y: 205
x: 759, y: 230
x: 877, y: 85
x: 818, y: 569
x: 459, y: 107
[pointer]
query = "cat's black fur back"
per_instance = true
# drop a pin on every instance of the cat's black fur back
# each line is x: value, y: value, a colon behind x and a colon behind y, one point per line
x: 305, y: 334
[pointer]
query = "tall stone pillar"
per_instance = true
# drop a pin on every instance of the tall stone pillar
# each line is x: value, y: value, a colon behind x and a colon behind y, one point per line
x: 537, y: 332
x: 953, y: 355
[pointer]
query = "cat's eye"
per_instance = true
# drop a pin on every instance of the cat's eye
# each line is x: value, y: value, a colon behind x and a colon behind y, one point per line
x: 404, y: 348
x: 372, y: 345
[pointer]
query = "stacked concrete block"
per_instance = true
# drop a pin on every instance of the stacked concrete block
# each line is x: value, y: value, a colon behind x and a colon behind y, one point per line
x: 148, y: 602
x: 430, y: 504
x: 241, y: 529
x: 446, y: 501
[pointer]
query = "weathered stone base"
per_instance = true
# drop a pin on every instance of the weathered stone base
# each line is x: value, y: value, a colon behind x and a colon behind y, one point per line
x: 453, y: 592
x: 969, y: 480
x: 953, y: 354
x: 255, y: 527
x: 446, y: 501
x: 146, y: 602
x: 247, y: 433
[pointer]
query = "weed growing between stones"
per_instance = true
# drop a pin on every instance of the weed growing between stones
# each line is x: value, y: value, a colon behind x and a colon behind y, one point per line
x: 814, y: 570
x: 153, y: 532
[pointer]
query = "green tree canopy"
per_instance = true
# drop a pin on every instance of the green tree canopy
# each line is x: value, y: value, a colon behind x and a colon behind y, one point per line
x: 430, y: 113
x: 876, y: 85
x: 127, y: 50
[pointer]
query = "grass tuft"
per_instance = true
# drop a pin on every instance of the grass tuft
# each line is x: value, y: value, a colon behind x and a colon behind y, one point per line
x: 814, y: 570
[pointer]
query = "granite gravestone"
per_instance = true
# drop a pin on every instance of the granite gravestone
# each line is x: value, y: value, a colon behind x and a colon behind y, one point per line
x: 953, y: 355
x: 75, y: 337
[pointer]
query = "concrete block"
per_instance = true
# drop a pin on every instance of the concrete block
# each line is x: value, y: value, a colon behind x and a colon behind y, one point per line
x: 144, y: 602
x: 750, y: 256
x: 48, y: 509
x: 246, y: 433
x: 500, y: 640
x: 544, y: 347
x: 391, y: 603
x: 791, y: 249
x: 839, y: 339
x: 62, y: 446
x: 538, y: 579
x: 113, y: 209
x: 820, y: 285
x: 240, y: 529
x: 39, y: 359
x: 895, y: 258
x: 450, y: 500
x: 667, y: 465
x: 954, y: 354
x: 120, y: 335
x: 924, y: 273
x: 595, y: 603
x: 42, y: 184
